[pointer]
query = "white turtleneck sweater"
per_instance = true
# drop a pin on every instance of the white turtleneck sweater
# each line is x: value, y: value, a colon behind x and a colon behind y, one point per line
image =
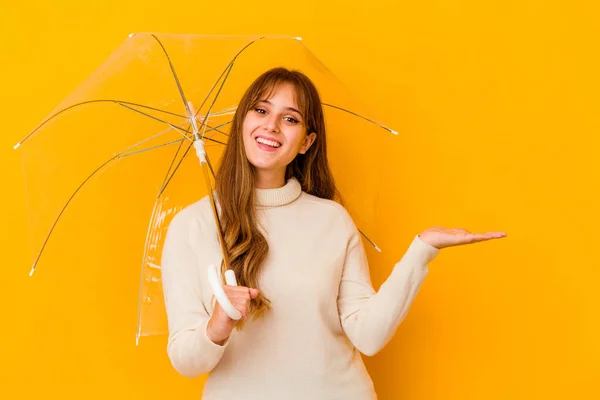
x: 324, y: 312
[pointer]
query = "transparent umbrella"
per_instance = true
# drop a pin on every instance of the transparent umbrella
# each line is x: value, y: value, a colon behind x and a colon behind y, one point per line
x: 149, y: 127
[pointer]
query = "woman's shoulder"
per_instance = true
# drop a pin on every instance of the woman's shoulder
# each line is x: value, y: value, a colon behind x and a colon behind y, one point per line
x: 320, y: 202
x: 198, y: 215
x: 330, y: 207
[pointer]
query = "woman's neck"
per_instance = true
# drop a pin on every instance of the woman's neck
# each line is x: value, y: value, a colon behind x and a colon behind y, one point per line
x: 269, y: 179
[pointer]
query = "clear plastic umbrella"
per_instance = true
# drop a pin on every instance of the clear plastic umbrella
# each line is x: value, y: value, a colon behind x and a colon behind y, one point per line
x: 149, y: 127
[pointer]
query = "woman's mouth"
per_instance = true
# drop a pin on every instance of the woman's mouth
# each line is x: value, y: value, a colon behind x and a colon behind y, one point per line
x: 267, y: 144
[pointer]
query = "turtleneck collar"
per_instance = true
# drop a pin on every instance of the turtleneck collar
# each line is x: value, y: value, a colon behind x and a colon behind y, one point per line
x: 267, y: 198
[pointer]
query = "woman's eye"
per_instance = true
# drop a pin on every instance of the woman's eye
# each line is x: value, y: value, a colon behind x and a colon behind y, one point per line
x: 263, y: 111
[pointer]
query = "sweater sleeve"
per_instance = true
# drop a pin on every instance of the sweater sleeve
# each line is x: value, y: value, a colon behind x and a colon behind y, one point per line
x: 371, y: 318
x: 190, y: 350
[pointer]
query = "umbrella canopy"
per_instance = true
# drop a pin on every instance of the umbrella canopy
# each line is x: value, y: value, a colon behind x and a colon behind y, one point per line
x: 127, y: 132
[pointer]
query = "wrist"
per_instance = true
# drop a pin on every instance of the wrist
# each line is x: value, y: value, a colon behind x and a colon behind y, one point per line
x: 216, y: 339
x: 425, y: 239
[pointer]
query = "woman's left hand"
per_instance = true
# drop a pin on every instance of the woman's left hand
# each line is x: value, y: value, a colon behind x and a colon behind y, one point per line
x: 441, y: 237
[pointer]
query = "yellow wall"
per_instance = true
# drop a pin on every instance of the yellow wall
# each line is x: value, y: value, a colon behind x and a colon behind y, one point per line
x: 497, y: 103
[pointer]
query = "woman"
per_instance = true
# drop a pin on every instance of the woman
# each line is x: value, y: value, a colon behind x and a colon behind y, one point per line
x: 298, y: 257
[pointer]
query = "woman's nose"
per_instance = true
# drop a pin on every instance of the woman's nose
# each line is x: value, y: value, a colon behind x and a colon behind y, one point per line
x: 272, y: 124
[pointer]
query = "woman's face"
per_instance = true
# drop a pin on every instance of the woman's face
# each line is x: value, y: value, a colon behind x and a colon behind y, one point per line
x: 274, y: 132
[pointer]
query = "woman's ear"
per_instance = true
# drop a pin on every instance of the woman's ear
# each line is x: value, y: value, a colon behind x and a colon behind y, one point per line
x: 308, y: 141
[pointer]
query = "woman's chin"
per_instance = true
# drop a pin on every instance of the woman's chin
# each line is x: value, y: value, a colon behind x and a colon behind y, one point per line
x: 268, y: 168
x: 264, y: 165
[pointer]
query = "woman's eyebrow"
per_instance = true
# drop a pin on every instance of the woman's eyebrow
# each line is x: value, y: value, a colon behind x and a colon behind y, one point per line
x: 286, y: 108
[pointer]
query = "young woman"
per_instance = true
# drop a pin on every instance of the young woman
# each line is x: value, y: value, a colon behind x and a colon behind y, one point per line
x: 298, y: 258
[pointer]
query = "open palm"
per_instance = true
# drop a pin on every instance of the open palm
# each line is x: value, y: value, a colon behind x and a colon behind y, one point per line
x: 441, y: 237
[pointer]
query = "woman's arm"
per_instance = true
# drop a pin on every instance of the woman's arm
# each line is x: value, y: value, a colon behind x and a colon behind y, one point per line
x: 371, y: 318
x: 190, y: 350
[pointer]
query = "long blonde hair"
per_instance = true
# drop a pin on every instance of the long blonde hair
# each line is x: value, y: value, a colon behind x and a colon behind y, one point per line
x: 235, y: 178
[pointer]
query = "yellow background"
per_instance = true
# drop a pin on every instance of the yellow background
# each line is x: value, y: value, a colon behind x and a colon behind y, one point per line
x: 497, y: 106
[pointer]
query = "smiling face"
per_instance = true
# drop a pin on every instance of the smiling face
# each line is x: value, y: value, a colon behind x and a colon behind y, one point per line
x: 274, y: 132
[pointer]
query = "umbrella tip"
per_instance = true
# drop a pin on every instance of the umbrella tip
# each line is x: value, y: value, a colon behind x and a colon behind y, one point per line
x: 394, y: 132
x: 377, y: 248
x: 32, y: 270
x: 131, y: 34
x: 16, y: 146
x: 298, y: 38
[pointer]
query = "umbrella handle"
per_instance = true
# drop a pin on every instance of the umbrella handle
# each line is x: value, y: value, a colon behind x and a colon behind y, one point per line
x: 222, y: 298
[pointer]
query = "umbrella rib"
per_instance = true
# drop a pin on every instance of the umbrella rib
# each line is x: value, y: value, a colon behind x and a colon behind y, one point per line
x: 151, y: 108
x: 133, y: 153
x: 203, y: 124
x: 178, y: 129
x: 173, y: 142
x: 227, y: 70
x: 212, y: 171
x: 162, y: 133
x: 169, y: 177
x: 222, y: 73
x: 370, y: 241
x: 183, y: 98
x: 360, y: 116
x: 63, y: 210
x: 120, y: 102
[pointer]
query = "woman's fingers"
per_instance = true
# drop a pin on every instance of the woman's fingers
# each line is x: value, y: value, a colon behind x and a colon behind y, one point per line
x: 240, y: 298
x: 478, y: 237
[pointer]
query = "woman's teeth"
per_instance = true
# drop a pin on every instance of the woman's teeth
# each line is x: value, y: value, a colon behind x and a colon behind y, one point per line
x: 267, y: 142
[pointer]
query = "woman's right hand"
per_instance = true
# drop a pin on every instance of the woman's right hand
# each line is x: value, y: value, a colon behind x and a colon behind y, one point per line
x: 220, y: 324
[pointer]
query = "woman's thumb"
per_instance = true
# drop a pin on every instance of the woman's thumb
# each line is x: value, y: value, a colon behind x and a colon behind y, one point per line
x: 254, y: 292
